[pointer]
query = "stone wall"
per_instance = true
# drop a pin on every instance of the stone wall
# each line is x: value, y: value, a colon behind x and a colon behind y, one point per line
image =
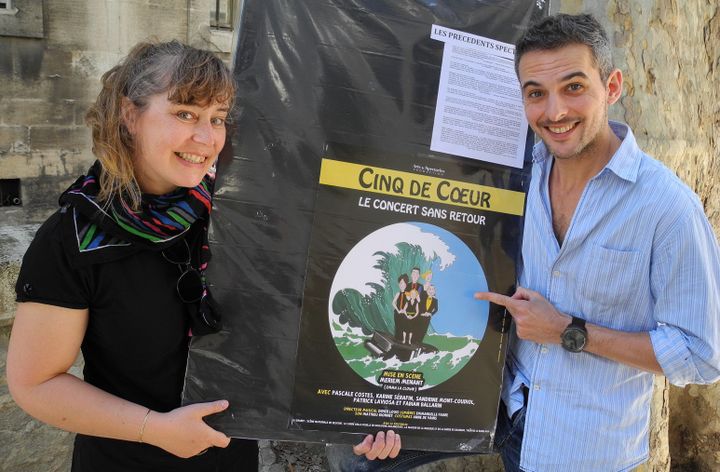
x: 669, y: 52
x: 49, y: 82
x: 52, y: 55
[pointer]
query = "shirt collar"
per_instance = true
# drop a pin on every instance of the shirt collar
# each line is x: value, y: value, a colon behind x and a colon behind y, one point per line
x: 625, y: 163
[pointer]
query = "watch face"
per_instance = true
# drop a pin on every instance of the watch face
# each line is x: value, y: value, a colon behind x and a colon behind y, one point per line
x: 573, y: 339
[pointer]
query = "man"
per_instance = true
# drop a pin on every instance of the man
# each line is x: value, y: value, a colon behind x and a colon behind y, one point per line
x: 415, y: 284
x: 620, y: 274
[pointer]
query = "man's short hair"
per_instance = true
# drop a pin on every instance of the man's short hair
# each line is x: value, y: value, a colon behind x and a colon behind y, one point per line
x: 562, y: 30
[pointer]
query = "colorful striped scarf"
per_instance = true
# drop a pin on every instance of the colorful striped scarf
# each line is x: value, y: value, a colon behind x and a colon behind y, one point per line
x: 161, y: 222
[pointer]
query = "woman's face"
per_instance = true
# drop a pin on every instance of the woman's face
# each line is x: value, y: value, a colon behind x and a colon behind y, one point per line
x: 175, y: 144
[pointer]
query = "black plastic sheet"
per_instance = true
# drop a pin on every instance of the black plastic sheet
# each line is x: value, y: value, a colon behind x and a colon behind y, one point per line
x: 318, y: 77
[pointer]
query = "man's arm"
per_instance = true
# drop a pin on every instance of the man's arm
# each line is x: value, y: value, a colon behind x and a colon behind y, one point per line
x: 538, y: 320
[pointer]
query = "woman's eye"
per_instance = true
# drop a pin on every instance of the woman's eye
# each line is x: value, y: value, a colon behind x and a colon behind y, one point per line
x: 185, y: 115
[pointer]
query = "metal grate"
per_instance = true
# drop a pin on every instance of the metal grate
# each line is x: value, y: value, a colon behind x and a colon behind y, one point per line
x: 10, y: 190
x: 221, y: 15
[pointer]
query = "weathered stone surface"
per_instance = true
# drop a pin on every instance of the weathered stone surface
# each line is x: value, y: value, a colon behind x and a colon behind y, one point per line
x: 13, y: 138
x: 695, y: 428
x: 37, y: 110
x: 299, y: 457
x: 24, y: 18
x: 8, y: 276
x: 26, y: 444
x: 669, y: 52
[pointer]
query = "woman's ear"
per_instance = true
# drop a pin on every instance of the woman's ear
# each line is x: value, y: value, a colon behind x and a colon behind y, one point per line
x: 128, y: 114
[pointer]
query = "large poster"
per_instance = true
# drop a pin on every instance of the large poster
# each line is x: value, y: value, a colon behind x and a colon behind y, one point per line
x: 390, y: 335
x: 367, y: 133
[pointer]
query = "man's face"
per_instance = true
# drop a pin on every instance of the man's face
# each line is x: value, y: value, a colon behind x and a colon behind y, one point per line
x: 415, y: 275
x: 566, y: 101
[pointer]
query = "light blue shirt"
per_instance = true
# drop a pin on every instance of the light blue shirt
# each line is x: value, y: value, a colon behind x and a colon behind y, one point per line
x: 639, y: 255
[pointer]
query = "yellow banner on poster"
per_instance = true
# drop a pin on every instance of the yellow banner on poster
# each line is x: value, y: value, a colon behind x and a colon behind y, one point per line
x: 420, y: 187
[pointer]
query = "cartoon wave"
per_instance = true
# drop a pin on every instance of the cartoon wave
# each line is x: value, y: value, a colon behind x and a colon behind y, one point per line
x: 365, y: 258
x: 436, y: 367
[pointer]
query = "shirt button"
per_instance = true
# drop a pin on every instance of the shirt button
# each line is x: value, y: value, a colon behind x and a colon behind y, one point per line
x: 544, y: 350
x: 556, y: 273
x: 536, y: 387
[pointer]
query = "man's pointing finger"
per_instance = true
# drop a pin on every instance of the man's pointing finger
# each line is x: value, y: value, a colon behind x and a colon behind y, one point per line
x: 496, y: 298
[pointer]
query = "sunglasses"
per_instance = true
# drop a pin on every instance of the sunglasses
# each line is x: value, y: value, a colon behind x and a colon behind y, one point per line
x: 189, y: 285
x: 191, y: 289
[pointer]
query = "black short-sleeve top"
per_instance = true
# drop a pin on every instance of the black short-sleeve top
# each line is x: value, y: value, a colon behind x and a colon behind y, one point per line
x: 136, y: 342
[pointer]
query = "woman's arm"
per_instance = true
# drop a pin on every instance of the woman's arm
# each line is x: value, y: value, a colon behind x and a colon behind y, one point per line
x: 45, y: 342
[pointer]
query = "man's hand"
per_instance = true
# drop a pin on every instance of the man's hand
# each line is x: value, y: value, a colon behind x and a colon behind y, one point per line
x: 535, y: 318
x: 382, y: 446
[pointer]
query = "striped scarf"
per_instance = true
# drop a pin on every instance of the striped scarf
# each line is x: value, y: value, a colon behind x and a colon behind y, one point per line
x: 161, y: 222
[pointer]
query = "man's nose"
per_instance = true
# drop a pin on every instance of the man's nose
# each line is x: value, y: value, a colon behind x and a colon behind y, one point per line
x: 556, y: 108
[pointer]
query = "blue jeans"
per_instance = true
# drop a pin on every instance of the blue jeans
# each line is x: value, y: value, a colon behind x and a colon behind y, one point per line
x: 509, y: 436
x: 508, y: 440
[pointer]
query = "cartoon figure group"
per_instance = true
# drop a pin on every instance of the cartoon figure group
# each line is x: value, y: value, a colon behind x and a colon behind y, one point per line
x: 413, y: 306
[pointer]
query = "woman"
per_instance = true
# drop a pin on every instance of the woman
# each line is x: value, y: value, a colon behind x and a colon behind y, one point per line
x: 117, y: 271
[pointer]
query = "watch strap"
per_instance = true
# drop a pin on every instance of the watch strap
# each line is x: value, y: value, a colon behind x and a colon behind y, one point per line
x: 577, y: 323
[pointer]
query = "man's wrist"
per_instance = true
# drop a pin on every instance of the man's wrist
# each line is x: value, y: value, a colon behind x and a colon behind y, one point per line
x: 563, y: 321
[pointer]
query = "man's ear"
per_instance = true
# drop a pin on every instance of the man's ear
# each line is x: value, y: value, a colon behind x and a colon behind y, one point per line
x: 614, y: 86
x: 128, y: 114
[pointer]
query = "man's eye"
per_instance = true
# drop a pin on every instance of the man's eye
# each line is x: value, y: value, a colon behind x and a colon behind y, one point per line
x: 534, y: 94
x: 218, y: 122
x: 575, y: 87
x: 185, y: 115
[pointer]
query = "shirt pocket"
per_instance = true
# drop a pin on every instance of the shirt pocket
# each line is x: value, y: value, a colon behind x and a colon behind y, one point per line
x: 612, y: 280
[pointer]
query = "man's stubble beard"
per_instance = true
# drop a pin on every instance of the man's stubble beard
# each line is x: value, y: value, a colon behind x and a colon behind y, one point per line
x: 587, y: 151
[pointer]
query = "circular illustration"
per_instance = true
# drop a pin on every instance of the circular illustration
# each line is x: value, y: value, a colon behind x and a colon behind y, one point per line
x: 401, y: 306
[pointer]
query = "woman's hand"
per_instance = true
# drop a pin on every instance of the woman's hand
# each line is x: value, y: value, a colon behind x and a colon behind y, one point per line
x: 183, y: 432
x: 381, y: 446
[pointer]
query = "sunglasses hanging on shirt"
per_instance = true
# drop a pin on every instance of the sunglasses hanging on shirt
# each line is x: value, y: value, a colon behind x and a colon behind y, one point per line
x: 192, y: 290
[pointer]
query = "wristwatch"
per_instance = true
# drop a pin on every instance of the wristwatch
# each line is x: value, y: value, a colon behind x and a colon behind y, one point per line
x: 574, y: 337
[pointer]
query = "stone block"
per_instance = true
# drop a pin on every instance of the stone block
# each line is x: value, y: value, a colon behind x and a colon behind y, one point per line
x: 43, y: 192
x: 25, y: 21
x: 13, y: 139
x: 30, y: 54
x: 114, y: 26
x: 6, y: 66
x: 38, y: 111
x: 52, y: 163
x: 69, y: 138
